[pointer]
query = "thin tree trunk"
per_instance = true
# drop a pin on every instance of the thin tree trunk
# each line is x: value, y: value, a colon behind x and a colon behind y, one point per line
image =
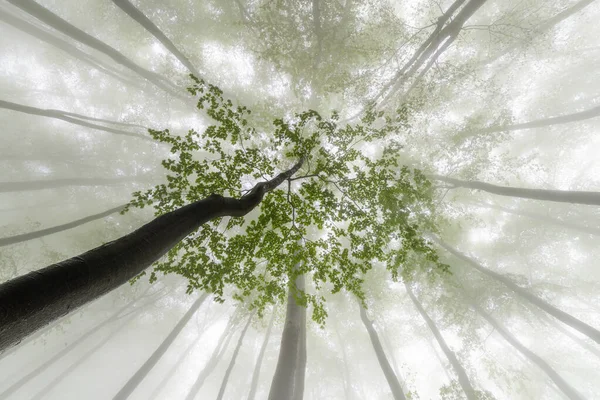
x: 300, y: 370
x: 561, y: 196
x: 567, y: 389
x: 141, y: 19
x: 59, y: 115
x: 568, y: 319
x: 390, y: 376
x: 214, y: 358
x: 61, y: 25
x: 463, y: 378
x: 552, y: 322
x: 22, y: 186
x: 55, y: 229
x: 261, y: 354
x: 33, y: 300
x: 233, y: 358
x: 285, y: 378
x: 348, y: 389
x: 141, y: 373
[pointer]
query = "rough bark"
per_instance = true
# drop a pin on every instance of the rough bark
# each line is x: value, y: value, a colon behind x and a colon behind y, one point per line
x: 214, y: 359
x: 233, y: 358
x: 141, y: 19
x: 31, y: 301
x: 21, y: 186
x: 564, y: 387
x: 463, y: 378
x: 562, y: 316
x: 60, y: 115
x: 259, y: 359
x: 390, y: 376
x: 284, y: 379
x: 61, y: 25
x: 561, y: 196
x: 141, y: 373
x: 55, y: 229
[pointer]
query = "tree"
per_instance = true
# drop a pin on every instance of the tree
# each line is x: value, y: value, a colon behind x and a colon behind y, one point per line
x: 259, y: 359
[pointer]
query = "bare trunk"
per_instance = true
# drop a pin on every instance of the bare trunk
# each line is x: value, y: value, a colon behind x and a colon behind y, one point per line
x: 141, y: 373
x: 568, y: 319
x: 261, y: 354
x: 463, y: 378
x: 300, y: 371
x: 561, y: 196
x: 390, y: 376
x: 33, y: 300
x: 564, y: 387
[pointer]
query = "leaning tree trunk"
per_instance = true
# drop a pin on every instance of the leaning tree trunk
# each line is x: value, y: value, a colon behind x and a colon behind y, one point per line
x: 33, y: 300
x: 463, y: 378
x: 390, y: 376
x: 567, y: 389
x: 55, y: 229
x: 562, y: 196
x: 233, y: 358
x: 261, y: 354
x: 568, y: 319
x: 284, y: 379
x: 141, y: 373
x: 6, y: 187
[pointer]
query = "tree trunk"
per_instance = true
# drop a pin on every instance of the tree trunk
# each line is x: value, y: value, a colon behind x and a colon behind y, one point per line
x: 6, y: 187
x: 233, y: 358
x: 285, y: 378
x: 214, y: 358
x: 141, y: 373
x: 261, y: 354
x: 463, y: 378
x: 57, y: 114
x: 55, y: 229
x: 568, y: 319
x: 569, y: 391
x: 561, y: 196
x: 141, y: 19
x: 56, y: 22
x: 300, y: 370
x: 390, y: 376
x: 33, y: 300
x: 349, y: 392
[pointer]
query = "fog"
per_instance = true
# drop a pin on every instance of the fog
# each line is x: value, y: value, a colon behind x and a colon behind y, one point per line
x: 411, y: 207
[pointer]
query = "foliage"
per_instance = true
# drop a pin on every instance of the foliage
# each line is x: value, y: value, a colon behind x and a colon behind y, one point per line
x: 352, y: 205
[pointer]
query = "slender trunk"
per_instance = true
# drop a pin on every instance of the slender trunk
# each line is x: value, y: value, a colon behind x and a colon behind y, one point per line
x: 55, y: 229
x: 300, y: 370
x: 61, y: 25
x: 141, y: 19
x: 561, y: 196
x: 285, y: 378
x: 58, y: 356
x: 261, y: 354
x: 568, y: 319
x: 349, y: 393
x: 22, y: 186
x: 569, y: 391
x: 390, y: 376
x: 463, y: 378
x: 33, y: 300
x: 544, y: 218
x: 60, y: 115
x: 569, y: 334
x: 214, y: 359
x: 141, y: 373
x: 233, y: 358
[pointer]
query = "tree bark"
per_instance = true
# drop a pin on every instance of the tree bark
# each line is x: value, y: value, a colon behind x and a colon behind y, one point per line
x: 390, y: 376
x: 60, y: 115
x: 233, y: 358
x: 285, y: 379
x: 261, y: 354
x: 568, y: 319
x: 463, y: 378
x: 61, y: 25
x: 31, y: 301
x: 141, y: 373
x: 561, y: 196
x: 6, y: 187
x: 564, y: 387
x: 141, y: 19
